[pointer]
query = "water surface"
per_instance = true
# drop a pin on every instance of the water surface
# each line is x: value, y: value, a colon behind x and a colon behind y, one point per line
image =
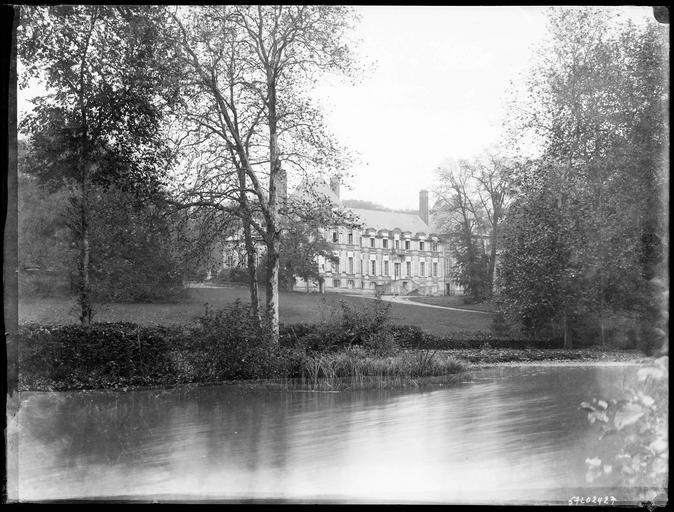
x: 511, y: 434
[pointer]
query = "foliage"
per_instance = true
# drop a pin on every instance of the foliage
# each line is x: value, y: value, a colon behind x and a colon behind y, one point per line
x: 104, y: 355
x: 224, y: 345
x: 248, y: 71
x: 589, y: 214
x: 347, y: 326
x: 358, y: 323
x: 412, y: 337
x: 230, y: 344
x: 640, y: 421
x: 133, y: 258
x: 473, y: 199
x: 44, y: 249
x: 197, y: 239
x: 301, y: 245
x: 99, y: 122
x: 104, y: 67
x: 471, y: 269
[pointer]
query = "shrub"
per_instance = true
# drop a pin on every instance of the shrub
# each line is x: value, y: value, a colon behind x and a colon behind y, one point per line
x: 499, y: 324
x: 413, y: 339
x: 103, y: 355
x: 345, y: 327
x: 409, y: 335
x: 360, y: 324
x: 381, y: 344
x: 638, y: 418
x: 230, y: 344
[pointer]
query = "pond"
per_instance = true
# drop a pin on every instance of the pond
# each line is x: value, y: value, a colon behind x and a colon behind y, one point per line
x: 502, y: 435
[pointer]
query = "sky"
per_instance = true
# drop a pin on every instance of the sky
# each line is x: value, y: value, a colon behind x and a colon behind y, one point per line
x: 437, y: 90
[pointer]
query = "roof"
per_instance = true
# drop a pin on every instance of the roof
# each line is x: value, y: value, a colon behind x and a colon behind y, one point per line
x: 318, y: 190
x: 380, y: 219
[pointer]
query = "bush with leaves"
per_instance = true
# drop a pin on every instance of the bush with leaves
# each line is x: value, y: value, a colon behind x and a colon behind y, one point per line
x: 231, y: 344
x: 105, y: 355
x: 640, y: 420
x: 360, y: 323
x: 133, y: 258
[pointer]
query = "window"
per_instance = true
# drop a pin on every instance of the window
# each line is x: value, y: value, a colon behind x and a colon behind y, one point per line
x: 371, y: 242
x: 230, y: 260
x: 396, y: 269
x: 421, y: 246
x: 362, y: 284
x: 397, y: 244
x: 386, y: 268
x: 434, y: 247
x: 373, y: 268
x: 350, y: 238
x: 435, y: 269
x: 340, y: 238
x: 407, y: 245
x: 351, y: 266
x: 385, y: 243
x: 422, y: 269
x: 409, y: 268
x: 373, y: 285
x: 334, y: 236
x: 349, y: 283
x: 336, y: 283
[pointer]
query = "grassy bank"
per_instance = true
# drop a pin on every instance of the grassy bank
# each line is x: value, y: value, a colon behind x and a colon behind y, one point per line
x: 124, y: 356
x: 356, y: 345
x: 295, y: 307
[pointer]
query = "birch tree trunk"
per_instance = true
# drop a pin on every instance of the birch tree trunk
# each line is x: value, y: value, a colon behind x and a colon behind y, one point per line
x: 273, y: 235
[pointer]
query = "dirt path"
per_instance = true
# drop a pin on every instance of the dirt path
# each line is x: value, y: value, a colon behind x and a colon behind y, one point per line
x: 400, y: 299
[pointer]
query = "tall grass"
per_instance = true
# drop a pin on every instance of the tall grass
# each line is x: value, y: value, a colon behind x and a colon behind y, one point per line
x: 357, y: 368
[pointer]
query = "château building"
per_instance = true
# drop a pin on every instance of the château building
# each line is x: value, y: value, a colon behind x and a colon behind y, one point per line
x: 391, y: 253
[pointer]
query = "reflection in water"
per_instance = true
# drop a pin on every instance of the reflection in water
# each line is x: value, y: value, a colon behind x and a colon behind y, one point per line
x: 509, y: 434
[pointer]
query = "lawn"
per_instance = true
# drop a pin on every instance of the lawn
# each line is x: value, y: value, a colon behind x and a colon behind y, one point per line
x: 294, y: 307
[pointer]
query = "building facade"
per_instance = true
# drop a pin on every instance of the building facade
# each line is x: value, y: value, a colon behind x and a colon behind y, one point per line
x: 391, y: 253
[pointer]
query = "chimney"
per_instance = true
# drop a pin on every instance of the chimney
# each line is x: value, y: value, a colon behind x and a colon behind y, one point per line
x: 282, y: 184
x: 423, y: 205
x: 334, y: 185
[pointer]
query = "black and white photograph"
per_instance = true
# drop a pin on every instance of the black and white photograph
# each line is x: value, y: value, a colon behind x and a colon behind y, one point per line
x: 337, y: 254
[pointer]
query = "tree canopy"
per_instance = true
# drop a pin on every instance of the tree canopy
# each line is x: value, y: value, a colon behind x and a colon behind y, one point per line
x: 590, y: 206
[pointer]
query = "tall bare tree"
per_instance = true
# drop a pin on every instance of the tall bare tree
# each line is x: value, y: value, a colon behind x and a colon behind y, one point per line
x: 252, y: 67
x: 491, y: 174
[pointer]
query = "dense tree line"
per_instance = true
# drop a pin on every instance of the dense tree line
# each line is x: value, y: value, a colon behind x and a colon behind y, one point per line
x: 204, y: 109
x: 585, y: 241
